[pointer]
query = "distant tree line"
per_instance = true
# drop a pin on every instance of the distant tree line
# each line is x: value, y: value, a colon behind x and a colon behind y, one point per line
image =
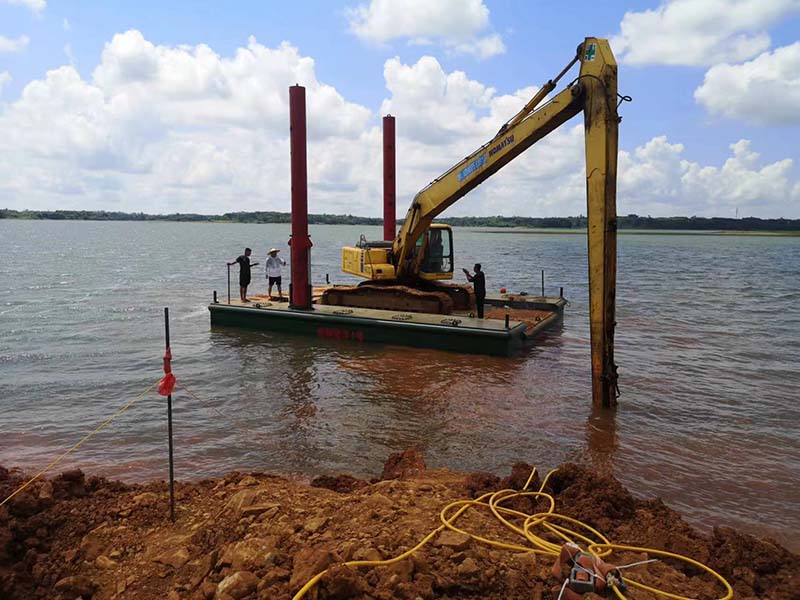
x: 235, y: 217
x: 623, y: 222
x: 530, y: 222
x: 281, y: 217
x: 635, y: 222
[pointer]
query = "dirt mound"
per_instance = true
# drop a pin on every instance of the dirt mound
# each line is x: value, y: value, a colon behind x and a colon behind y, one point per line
x: 256, y: 536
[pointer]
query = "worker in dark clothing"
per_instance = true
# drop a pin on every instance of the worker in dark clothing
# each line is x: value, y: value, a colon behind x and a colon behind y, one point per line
x: 479, y: 284
x: 244, y: 272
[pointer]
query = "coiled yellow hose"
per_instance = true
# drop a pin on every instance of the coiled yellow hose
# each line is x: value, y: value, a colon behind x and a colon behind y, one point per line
x: 594, y: 541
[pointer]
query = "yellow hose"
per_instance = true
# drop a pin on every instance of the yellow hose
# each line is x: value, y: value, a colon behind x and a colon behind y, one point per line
x: 611, y: 547
x: 598, y: 545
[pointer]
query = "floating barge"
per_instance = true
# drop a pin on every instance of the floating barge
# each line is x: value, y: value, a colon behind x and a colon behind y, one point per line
x: 512, y: 323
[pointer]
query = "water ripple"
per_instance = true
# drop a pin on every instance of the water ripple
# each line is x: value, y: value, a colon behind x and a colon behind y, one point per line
x: 708, y: 348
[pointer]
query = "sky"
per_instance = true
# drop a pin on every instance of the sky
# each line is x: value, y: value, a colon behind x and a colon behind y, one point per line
x: 164, y: 107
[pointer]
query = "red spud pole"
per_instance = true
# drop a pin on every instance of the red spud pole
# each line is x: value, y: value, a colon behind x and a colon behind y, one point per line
x: 300, y: 288
x: 389, y: 182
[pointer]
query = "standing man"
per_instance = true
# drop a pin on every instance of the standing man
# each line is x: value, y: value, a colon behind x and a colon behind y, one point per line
x: 244, y: 272
x: 479, y: 284
x: 274, y: 272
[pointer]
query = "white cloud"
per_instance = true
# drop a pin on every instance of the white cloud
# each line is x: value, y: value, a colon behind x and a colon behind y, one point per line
x: 193, y: 86
x: 656, y: 179
x: 13, y: 45
x: 699, y: 32
x: 438, y: 108
x: 765, y: 90
x: 65, y: 25
x: 169, y: 128
x: 5, y: 77
x: 384, y: 20
x: 740, y: 182
x: 485, y: 47
x: 652, y: 173
x: 165, y: 129
x: 442, y: 117
x: 35, y: 6
x: 455, y: 24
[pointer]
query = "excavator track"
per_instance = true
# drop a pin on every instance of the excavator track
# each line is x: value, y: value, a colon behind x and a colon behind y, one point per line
x: 463, y: 296
x: 389, y: 297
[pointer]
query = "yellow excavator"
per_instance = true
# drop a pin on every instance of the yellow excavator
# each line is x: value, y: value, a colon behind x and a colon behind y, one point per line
x: 405, y: 274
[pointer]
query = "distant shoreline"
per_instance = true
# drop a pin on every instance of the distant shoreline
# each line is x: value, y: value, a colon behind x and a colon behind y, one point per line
x: 627, y: 224
x: 754, y: 233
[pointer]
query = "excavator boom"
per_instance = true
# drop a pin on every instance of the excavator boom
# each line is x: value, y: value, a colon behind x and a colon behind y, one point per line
x: 442, y: 193
x: 593, y: 92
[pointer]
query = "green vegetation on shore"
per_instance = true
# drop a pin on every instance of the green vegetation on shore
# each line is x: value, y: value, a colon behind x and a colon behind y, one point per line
x: 237, y: 217
x: 568, y: 223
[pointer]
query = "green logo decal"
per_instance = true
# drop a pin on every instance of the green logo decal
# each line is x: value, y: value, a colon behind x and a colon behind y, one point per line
x: 591, y: 50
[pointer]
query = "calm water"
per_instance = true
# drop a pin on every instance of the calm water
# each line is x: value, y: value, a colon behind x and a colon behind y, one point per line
x: 708, y: 347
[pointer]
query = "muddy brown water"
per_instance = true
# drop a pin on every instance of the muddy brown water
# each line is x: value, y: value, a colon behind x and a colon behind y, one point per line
x: 708, y: 345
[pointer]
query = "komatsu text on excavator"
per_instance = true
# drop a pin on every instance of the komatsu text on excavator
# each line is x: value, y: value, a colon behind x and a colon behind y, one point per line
x: 405, y: 274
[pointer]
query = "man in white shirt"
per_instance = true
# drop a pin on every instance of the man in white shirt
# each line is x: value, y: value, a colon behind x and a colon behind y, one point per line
x: 274, y: 272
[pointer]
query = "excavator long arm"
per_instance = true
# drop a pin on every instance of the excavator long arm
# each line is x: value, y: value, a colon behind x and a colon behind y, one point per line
x: 477, y: 168
x: 595, y: 93
x: 601, y: 123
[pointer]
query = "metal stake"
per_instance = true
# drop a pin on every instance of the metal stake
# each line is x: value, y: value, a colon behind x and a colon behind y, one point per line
x: 169, y: 428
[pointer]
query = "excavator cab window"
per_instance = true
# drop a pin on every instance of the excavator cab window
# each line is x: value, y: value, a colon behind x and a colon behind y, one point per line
x: 438, y: 244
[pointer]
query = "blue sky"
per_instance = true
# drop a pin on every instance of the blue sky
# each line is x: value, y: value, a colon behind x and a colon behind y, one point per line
x: 714, y: 83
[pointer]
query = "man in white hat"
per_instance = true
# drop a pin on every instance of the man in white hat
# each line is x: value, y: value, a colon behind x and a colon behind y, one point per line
x: 274, y: 263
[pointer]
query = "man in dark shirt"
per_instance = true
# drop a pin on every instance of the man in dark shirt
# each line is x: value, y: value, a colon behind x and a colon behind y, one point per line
x: 479, y: 284
x: 244, y: 272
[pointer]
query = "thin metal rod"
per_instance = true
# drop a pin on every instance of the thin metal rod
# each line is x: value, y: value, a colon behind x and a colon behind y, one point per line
x: 540, y: 95
x: 542, y: 283
x: 169, y: 429
x: 229, y: 284
x: 568, y: 67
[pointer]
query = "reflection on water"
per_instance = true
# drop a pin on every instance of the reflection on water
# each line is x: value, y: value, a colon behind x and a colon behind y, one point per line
x: 601, y: 439
x: 707, y: 344
x: 301, y: 384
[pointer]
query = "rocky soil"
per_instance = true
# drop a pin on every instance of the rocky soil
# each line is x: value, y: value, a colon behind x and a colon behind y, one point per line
x: 259, y: 536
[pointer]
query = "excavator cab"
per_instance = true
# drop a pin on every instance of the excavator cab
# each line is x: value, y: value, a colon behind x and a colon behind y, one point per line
x: 437, y: 246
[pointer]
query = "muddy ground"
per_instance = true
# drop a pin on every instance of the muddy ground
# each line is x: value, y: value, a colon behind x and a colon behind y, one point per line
x: 260, y: 536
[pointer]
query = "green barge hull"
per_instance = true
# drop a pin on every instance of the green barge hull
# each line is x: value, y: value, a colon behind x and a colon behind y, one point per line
x: 458, y: 332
